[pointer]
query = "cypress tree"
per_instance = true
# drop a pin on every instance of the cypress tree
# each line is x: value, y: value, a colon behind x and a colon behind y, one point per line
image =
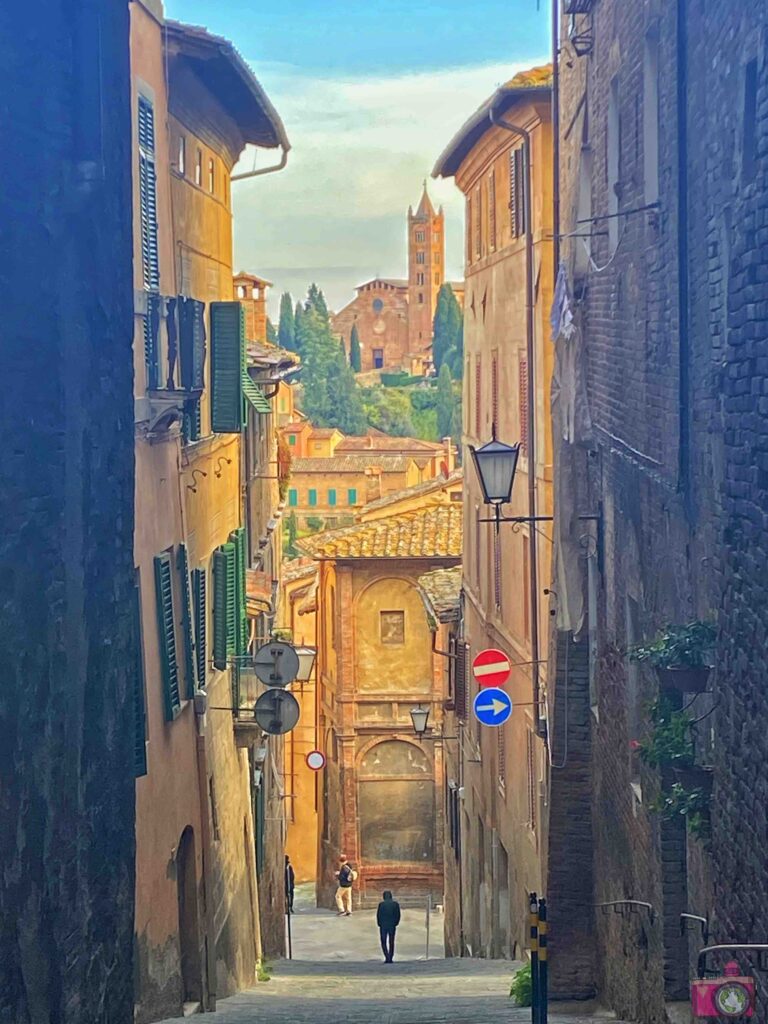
x: 355, y: 354
x: 271, y: 332
x: 446, y: 402
x: 286, y: 331
x: 446, y: 326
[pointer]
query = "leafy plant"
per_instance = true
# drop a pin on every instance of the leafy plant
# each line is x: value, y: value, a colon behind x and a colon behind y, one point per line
x: 521, y: 989
x: 691, y: 646
x: 692, y: 804
x: 264, y: 972
x: 670, y: 741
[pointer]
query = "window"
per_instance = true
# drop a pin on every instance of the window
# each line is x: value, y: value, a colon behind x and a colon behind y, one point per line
x: 437, y: 258
x: 532, y: 782
x: 199, y: 167
x: 148, y: 196
x: 492, y: 210
x: 517, y: 192
x: 312, y: 496
x: 211, y: 176
x: 199, y: 598
x: 182, y: 564
x: 478, y: 394
x: 613, y: 144
x: 293, y: 497
x: 378, y: 305
x: 651, y: 118
x: 227, y: 361
x: 437, y: 279
x: 191, y: 424
x: 419, y: 236
x: 749, y: 133
x: 420, y: 257
x: 352, y: 496
x: 478, y: 213
x: 420, y: 278
x: 166, y: 627
x: 421, y: 298
x: 468, y: 229
x: 332, y: 496
x: 392, y: 627
x: 378, y: 358
x: 182, y: 155
x: 224, y: 600
x: 292, y: 439
x: 522, y: 402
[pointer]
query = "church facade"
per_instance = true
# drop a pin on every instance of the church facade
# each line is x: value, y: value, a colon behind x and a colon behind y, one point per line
x: 394, y: 316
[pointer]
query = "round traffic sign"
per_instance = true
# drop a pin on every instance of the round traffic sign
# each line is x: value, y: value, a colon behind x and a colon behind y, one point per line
x: 492, y: 706
x: 276, y: 711
x: 276, y: 664
x: 491, y: 667
x: 315, y: 760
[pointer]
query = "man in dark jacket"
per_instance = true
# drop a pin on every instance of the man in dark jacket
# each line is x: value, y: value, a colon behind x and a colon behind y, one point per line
x: 388, y: 918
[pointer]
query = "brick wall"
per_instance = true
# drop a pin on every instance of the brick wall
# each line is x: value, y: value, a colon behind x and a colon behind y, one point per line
x: 66, y: 500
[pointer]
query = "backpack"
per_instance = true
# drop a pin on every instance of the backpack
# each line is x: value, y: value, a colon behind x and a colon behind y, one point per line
x: 346, y: 876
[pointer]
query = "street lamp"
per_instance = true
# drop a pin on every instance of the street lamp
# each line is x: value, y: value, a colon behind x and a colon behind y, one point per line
x: 419, y: 717
x: 307, y: 657
x: 496, y: 464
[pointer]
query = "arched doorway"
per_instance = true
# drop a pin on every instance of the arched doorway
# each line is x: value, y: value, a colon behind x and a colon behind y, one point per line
x: 189, y: 930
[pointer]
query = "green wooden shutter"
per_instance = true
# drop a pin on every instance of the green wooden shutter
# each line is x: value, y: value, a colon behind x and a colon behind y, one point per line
x: 227, y: 366
x: 140, y: 712
x: 352, y: 496
x: 331, y: 496
x: 238, y: 538
x: 186, y: 617
x: 220, y: 592
x: 167, y: 635
x: 312, y: 496
x: 293, y: 497
x: 199, y: 586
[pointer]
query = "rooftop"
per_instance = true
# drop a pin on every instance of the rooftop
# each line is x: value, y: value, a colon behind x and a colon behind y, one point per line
x: 427, y: 487
x: 535, y: 83
x: 352, y: 464
x: 298, y: 569
x: 216, y: 62
x: 262, y: 353
x: 442, y: 592
x: 385, y: 442
x: 432, y: 532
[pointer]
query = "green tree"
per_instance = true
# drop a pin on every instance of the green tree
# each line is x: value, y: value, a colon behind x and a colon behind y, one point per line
x: 446, y: 327
x: 292, y: 533
x: 355, y: 355
x: 316, y: 300
x: 286, y: 331
x: 298, y: 316
x: 271, y: 332
x: 446, y: 402
x: 456, y: 354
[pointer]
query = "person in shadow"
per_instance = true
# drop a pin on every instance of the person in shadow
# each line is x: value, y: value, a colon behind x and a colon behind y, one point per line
x: 388, y: 918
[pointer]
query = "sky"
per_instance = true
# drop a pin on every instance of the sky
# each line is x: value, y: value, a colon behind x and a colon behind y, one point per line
x: 370, y: 94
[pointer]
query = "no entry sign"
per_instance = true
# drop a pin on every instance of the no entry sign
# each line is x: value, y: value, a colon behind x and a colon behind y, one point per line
x: 491, y: 668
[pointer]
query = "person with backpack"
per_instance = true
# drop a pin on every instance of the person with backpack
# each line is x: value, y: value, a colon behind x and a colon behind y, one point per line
x: 388, y: 918
x: 345, y: 876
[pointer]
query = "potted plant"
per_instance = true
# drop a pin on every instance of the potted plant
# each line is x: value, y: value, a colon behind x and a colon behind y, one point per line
x: 692, y: 804
x: 669, y: 743
x: 681, y: 655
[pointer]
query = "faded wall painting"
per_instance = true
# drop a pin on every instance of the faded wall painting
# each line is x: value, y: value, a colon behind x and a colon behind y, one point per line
x: 392, y: 639
x: 396, y: 804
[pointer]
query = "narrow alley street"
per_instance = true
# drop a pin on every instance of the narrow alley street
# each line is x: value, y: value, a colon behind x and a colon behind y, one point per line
x: 337, y: 974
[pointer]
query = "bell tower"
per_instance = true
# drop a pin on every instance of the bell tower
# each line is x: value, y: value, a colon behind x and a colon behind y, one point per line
x: 426, y: 271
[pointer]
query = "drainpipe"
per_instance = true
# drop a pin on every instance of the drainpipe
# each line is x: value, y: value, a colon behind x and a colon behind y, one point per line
x: 264, y: 170
x: 682, y: 252
x: 525, y: 135
x: 556, y: 136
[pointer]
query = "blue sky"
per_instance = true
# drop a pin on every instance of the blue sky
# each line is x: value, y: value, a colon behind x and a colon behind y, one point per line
x: 370, y: 93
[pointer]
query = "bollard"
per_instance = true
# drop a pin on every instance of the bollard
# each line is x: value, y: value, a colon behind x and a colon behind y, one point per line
x: 543, y: 962
x: 533, y: 910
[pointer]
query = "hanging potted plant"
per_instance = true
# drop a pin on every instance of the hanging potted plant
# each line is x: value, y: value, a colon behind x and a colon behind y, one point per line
x: 669, y: 747
x: 681, y: 655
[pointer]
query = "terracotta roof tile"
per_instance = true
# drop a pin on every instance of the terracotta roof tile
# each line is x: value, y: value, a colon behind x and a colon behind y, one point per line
x: 433, y: 532
x: 442, y: 589
x: 352, y: 463
x: 427, y: 487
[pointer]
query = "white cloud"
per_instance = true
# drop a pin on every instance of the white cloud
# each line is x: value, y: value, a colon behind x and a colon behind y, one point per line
x: 361, y: 149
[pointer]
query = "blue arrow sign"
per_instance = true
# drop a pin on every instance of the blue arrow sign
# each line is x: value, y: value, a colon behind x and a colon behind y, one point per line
x: 492, y: 706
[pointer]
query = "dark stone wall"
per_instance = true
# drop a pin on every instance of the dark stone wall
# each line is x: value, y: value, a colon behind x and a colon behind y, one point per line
x: 728, y: 151
x: 66, y: 507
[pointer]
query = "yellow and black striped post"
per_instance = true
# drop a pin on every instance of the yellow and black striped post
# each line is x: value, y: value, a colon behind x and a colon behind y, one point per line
x: 543, y: 962
x: 533, y: 918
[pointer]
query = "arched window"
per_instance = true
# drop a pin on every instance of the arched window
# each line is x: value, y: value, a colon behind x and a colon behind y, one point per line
x: 396, y: 804
x: 378, y: 305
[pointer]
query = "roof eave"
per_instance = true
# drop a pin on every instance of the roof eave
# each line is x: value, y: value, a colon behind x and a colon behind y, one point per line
x: 480, y: 122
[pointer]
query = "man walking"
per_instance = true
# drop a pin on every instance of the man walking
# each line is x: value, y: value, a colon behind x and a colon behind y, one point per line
x: 345, y: 876
x: 290, y: 883
x: 388, y: 918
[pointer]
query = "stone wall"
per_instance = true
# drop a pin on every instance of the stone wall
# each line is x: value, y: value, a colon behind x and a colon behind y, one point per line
x: 66, y: 500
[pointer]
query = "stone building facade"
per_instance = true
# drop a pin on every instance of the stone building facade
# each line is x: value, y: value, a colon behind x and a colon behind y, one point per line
x: 500, y: 825
x: 251, y: 292
x: 381, y: 789
x: 394, y: 317
x: 68, y: 638
x: 659, y: 427
x: 200, y: 927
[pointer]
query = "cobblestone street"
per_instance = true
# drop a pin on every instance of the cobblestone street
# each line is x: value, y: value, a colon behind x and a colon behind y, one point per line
x: 337, y: 975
